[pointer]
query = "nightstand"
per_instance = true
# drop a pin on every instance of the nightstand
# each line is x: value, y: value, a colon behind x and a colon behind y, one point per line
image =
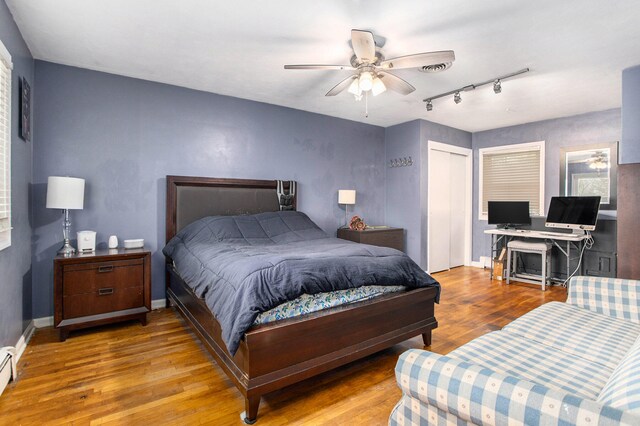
x: 384, y: 237
x: 99, y: 288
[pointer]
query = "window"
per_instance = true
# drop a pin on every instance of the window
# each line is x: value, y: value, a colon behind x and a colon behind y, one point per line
x: 5, y: 147
x: 512, y: 173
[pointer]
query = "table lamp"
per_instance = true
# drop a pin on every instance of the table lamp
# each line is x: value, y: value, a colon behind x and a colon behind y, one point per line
x: 346, y: 197
x: 65, y: 193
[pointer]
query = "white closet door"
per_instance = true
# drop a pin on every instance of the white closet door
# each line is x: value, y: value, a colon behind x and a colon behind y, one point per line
x: 457, y: 204
x: 439, y: 211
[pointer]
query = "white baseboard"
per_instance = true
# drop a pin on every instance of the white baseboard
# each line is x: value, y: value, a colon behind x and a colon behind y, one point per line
x: 24, y: 340
x: 158, y: 304
x: 484, y: 262
x: 43, y: 322
x: 48, y: 321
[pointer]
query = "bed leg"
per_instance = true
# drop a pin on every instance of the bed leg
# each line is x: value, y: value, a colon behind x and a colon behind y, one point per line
x: 250, y: 414
x: 426, y: 338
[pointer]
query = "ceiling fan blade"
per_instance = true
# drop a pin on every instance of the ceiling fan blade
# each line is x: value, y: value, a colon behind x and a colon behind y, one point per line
x: 395, y: 83
x: 318, y: 67
x: 363, y: 45
x: 419, y: 59
x: 341, y: 86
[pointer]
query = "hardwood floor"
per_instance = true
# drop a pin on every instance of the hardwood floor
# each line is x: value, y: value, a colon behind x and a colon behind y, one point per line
x: 159, y: 374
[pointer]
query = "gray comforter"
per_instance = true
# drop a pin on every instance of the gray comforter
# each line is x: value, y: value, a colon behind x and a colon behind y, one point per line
x: 245, y: 265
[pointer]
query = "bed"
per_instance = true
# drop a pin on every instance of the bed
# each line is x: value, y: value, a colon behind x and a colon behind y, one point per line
x: 316, y: 342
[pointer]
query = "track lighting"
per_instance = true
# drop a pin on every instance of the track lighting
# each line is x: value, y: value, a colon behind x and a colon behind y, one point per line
x: 497, y: 88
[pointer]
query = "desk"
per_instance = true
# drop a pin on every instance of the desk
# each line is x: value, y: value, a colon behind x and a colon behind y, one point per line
x: 575, y: 240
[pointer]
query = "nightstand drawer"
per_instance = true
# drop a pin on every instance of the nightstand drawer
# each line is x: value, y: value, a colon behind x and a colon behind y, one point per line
x: 89, y: 278
x: 105, y: 299
x: 383, y: 237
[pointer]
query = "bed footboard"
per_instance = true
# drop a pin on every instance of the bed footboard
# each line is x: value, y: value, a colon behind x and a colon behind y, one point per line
x: 315, y: 343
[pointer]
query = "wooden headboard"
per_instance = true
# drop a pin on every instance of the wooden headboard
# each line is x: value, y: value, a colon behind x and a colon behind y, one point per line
x: 190, y: 198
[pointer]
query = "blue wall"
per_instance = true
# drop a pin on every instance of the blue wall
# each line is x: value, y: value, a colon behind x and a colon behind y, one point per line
x: 584, y: 129
x: 407, y: 186
x: 15, y: 261
x: 630, y: 144
x: 124, y: 135
x: 403, y: 184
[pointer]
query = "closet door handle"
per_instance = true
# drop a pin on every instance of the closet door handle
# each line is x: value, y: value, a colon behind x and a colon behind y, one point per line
x: 105, y: 291
x: 102, y: 269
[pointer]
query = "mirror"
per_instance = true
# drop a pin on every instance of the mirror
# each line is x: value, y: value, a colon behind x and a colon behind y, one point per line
x: 590, y: 170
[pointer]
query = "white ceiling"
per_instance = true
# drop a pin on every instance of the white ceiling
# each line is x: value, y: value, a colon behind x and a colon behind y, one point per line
x: 576, y: 51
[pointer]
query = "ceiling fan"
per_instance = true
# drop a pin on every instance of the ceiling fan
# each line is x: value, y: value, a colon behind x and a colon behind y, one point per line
x: 371, y: 69
x: 598, y: 161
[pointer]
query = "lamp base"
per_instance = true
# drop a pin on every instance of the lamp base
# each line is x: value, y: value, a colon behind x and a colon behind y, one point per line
x: 66, y: 250
x: 346, y: 215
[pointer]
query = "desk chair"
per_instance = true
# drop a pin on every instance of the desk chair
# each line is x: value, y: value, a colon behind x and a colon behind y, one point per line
x: 541, y: 248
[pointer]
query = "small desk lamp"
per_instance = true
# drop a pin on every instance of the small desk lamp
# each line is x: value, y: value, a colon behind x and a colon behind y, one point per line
x: 66, y: 193
x: 346, y: 197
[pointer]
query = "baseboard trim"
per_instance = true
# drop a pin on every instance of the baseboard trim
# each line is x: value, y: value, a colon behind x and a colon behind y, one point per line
x: 158, y: 304
x: 43, y: 322
x: 24, y: 340
x: 48, y: 321
x: 484, y: 262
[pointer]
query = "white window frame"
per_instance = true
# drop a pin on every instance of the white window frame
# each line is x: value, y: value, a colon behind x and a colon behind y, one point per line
x: 5, y: 236
x: 505, y: 149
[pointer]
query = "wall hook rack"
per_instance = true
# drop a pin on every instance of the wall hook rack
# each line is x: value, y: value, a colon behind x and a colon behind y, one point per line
x: 401, y: 162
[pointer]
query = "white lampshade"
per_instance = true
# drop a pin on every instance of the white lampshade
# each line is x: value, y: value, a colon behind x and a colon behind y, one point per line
x: 346, y: 196
x: 65, y: 193
x: 354, y: 88
x: 366, y: 81
x: 378, y: 86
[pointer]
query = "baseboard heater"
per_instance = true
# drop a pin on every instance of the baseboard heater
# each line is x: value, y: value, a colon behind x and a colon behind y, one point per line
x: 7, y: 366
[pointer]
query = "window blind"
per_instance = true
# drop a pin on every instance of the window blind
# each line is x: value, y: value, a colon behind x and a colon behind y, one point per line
x: 512, y: 176
x: 5, y: 144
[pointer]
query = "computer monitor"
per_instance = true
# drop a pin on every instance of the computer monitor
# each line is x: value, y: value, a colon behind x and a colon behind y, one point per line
x: 509, y: 213
x: 573, y: 213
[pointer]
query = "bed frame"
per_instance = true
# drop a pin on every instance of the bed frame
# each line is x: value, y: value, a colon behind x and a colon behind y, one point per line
x: 315, y: 342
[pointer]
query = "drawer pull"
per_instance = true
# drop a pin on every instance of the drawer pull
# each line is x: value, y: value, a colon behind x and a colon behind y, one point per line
x: 102, y: 269
x: 105, y: 291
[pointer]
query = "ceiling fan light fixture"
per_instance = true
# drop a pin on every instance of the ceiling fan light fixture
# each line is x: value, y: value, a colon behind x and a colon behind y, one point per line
x: 599, y: 164
x: 366, y: 81
x: 497, y: 87
x: 378, y: 86
x: 598, y: 161
x: 457, y: 98
x: 354, y: 88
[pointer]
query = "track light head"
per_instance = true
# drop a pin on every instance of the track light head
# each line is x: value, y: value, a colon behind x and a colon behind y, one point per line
x: 457, y: 98
x: 429, y: 105
x: 497, y: 87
